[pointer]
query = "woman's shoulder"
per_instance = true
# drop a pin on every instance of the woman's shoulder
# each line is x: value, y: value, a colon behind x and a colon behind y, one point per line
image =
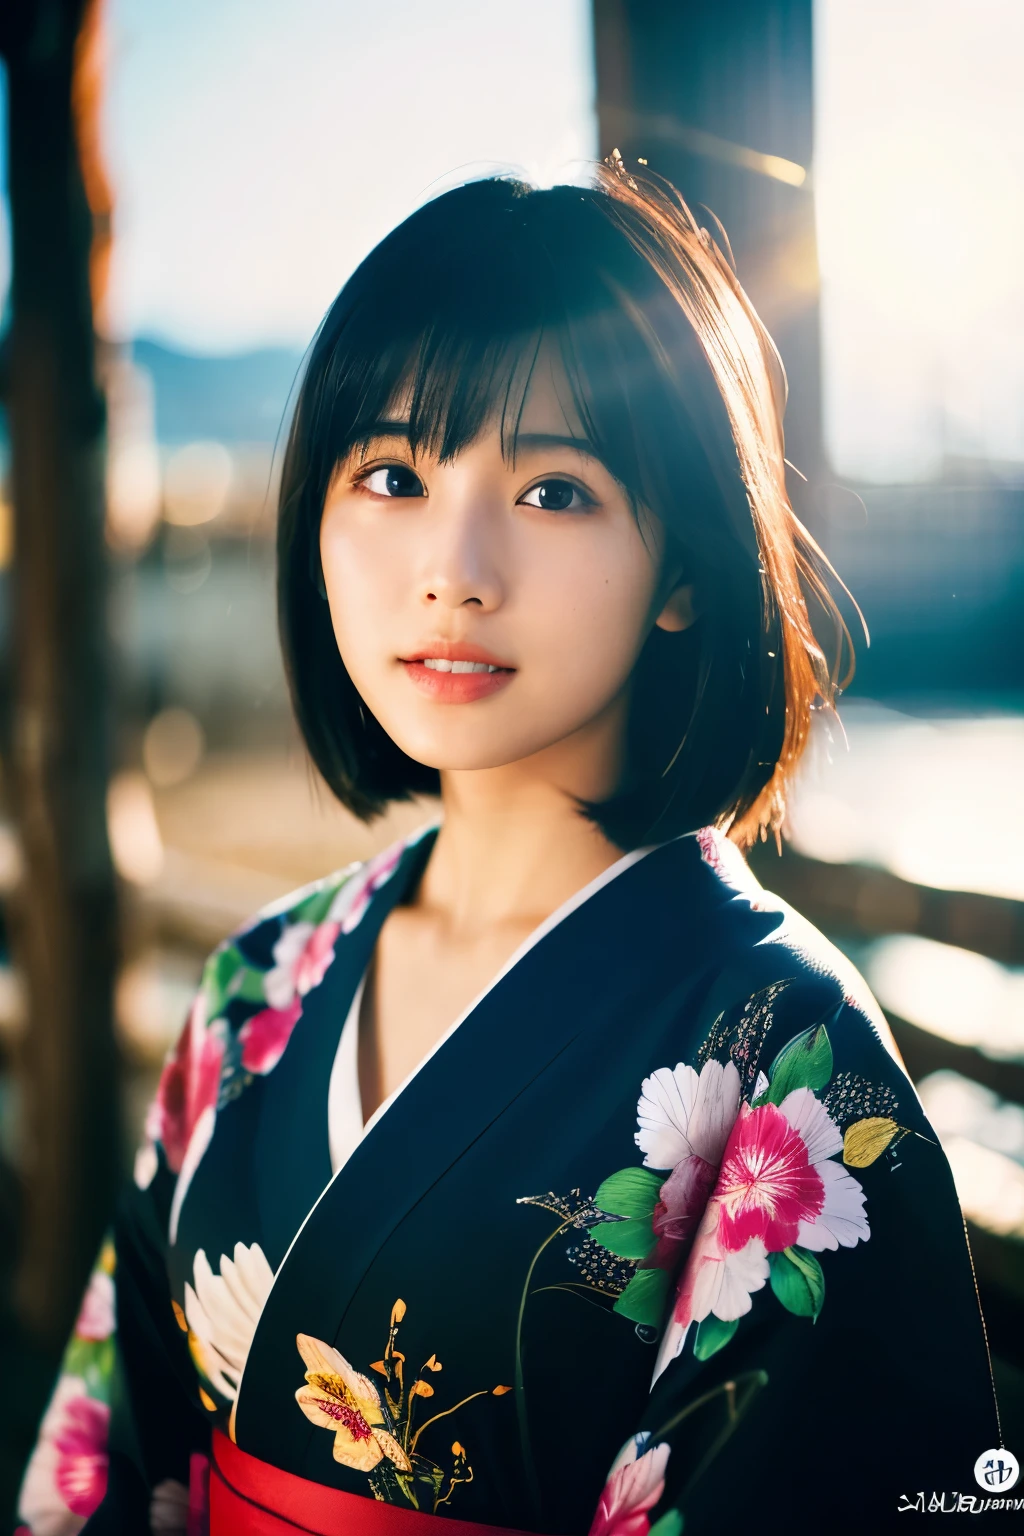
x: 330, y: 904
x: 340, y: 897
x: 281, y: 950
x: 249, y: 999
x: 780, y: 983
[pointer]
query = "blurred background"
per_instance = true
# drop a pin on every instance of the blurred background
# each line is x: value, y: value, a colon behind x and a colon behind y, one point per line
x: 184, y: 190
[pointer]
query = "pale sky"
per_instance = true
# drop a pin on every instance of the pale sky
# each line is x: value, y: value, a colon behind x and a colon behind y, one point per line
x: 919, y: 173
x: 260, y: 149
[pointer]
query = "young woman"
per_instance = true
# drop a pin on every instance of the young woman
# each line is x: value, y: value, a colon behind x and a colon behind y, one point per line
x: 544, y: 1172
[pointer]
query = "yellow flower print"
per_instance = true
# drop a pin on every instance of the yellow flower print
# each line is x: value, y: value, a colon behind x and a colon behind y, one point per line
x: 338, y: 1397
x: 375, y: 1429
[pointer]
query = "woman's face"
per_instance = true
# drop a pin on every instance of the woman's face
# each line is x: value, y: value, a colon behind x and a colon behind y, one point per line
x: 488, y: 611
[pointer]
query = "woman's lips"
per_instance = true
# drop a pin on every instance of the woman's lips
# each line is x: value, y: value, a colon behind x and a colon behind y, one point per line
x: 461, y: 686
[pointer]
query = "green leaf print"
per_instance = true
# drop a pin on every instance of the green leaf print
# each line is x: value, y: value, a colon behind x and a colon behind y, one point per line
x: 797, y: 1281
x: 670, y: 1524
x: 93, y: 1360
x: 630, y: 1192
x: 643, y: 1300
x: 219, y: 971
x: 632, y: 1239
x: 316, y: 907
x: 713, y: 1335
x: 806, y: 1062
x: 248, y: 984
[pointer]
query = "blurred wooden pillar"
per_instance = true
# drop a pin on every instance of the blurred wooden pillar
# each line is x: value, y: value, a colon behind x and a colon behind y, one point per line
x: 718, y: 96
x: 64, y: 916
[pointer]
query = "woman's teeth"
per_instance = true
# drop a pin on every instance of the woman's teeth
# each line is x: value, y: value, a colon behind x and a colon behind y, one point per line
x: 439, y: 664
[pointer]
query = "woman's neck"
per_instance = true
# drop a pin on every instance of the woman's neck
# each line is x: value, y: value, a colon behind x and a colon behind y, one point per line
x: 514, y: 845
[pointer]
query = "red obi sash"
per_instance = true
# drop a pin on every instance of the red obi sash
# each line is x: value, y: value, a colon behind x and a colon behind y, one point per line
x: 249, y: 1497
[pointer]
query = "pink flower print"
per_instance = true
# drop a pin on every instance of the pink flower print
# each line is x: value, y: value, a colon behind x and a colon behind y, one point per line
x: 767, y: 1185
x: 301, y: 957
x: 82, y: 1455
x: 188, y: 1085
x: 316, y: 956
x: 778, y: 1181
x: 264, y: 1037
x: 635, y: 1484
x: 96, y: 1315
x: 350, y: 905
x: 182, y: 1116
x: 66, y: 1477
x: 777, y: 1186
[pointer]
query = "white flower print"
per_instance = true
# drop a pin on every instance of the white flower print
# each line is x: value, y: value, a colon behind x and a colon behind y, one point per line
x: 222, y: 1311
x: 681, y: 1115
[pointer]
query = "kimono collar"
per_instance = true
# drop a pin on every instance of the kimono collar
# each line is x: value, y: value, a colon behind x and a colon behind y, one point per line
x: 645, y: 925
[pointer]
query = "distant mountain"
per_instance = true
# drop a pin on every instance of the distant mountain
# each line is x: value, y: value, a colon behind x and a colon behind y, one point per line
x: 237, y: 399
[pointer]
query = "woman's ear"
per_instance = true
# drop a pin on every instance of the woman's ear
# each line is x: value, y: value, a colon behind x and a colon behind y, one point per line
x: 679, y: 611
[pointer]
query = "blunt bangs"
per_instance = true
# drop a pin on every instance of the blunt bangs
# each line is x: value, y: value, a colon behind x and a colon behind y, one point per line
x: 678, y: 391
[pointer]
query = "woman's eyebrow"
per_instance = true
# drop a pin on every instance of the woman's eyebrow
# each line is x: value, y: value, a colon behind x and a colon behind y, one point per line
x: 534, y: 441
x: 385, y: 428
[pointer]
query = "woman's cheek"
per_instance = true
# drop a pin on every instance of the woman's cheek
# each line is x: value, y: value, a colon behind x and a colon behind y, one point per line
x: 364, y: 601
x: 602, y: 627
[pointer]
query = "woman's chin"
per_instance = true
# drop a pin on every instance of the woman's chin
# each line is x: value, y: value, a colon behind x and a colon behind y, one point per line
x: 467, y: 756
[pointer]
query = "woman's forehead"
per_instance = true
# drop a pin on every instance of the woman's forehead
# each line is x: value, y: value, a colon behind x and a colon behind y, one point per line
x: 549, y: 404
x: 529, y: 397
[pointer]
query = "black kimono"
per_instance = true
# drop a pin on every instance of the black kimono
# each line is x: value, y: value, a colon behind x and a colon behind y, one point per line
x: 656, y: 1237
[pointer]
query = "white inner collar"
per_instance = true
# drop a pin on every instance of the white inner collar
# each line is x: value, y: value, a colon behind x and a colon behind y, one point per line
x: 345, y: 1125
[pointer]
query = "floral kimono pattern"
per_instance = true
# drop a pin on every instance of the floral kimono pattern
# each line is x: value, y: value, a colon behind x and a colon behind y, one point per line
x: 660, y: 1218
x: 67, y: 1477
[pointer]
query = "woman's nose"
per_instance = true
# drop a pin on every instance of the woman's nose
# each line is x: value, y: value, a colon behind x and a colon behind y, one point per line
x: 462, y: 565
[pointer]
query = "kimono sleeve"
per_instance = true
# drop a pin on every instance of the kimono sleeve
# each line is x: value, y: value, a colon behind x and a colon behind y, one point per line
x: 822, y: 1362
x: 124, y: 1433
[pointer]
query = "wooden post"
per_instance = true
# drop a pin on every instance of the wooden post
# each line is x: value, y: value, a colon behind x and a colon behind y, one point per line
x: 64, y: 915
x: 718, y: 97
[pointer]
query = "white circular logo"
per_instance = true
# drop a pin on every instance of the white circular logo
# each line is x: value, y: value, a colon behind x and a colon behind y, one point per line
x: 996, y: 1471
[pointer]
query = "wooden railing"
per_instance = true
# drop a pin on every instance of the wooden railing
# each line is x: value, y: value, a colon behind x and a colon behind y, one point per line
x: 867, y: 902
x: 857, y: 902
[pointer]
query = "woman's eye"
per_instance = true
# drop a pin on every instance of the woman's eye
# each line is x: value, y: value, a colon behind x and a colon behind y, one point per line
x: 394, y: 480
x: 556, y: 496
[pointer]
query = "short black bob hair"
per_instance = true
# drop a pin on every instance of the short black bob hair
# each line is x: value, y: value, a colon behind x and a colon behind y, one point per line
x: 680, y: 391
